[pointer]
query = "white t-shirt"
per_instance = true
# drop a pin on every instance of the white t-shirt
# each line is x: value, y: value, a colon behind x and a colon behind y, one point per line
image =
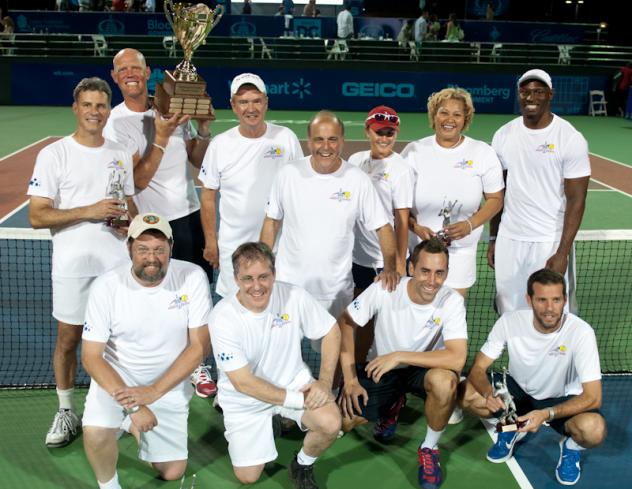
x: 319, y: 212
x: 146, y: 328
x: 546, y: 365
x: 73, y: 175
x: 445, y: 175
x: 537, y: 163
x: 394, y: 182
x: 268, y: 342
x: 171, y: 191
x: 344, y: 21
x: 421, y: 26
x: 243, y: 170
x: 402, y: 325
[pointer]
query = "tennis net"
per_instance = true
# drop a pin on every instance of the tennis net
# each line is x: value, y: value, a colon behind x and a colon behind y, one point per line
x: 604, y: 297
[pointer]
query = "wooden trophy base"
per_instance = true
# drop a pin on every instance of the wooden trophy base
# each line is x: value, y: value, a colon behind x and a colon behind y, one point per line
x: 182, y: 97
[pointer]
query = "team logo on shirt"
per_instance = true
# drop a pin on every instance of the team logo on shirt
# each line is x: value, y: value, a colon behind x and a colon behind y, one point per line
x: 203, y: 170
x: 433, y: 322
x: 179, y: 302
x: 464, y: 164
x: 280, y: 320
x: 559, y: 351
x: 546, y: 148
x: 34, y: 182
x: 116, y: 164
x: 86, y: 327
x: 224, y: 357
x: 273, y: 153
x: 341, y: 196
x: 356, y: 304
x: 381, y: 176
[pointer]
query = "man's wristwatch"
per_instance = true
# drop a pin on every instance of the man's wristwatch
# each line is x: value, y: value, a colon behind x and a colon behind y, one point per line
x: 551, y: 414
x: 131, y: 410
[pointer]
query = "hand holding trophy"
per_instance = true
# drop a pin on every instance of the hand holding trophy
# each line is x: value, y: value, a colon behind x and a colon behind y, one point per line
x: 183, y: 91
x: 508, y: 420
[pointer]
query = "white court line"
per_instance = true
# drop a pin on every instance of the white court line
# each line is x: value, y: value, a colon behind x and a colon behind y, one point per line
x: 14, y: 211
x: 611, y: 160
x: 610, y: 187
x: 22, y: 149
x: 512, y: 463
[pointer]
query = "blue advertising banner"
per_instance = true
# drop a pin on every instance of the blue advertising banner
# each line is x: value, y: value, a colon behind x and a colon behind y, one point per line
x: 131, y: 23
x: 314, y: 89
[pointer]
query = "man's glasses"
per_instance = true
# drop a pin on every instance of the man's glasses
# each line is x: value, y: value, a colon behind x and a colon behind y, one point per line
x: 383, y: 117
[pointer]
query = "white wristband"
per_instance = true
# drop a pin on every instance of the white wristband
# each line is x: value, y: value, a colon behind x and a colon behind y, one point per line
x: 293, y: 399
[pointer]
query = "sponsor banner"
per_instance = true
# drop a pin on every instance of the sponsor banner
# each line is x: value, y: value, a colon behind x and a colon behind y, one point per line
x: 134, y: 23
x: 312, y: 89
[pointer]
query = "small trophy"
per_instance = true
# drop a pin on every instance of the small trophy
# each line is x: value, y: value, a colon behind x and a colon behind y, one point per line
x: 116, y: 191
x: 508, y: 420
x: 446, y: 212
x: 183, y: 91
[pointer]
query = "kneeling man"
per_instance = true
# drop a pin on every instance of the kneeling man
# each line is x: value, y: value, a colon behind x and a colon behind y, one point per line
x: 145, y: 332
x: 256, y: 335
x: 420, y: 346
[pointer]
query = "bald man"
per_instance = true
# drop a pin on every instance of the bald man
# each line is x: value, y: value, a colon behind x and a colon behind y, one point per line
x: 319, y: 199
x: 162, y: 149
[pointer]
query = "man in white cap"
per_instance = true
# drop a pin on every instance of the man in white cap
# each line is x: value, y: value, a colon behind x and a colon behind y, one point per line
x: 144, y: 333
x: 241, y: 164
x: 547, y: 170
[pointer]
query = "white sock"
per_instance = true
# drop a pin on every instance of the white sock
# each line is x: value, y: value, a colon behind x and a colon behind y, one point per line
x: 111, y: 484
x: 432, y: 438
x: 572, y: 444
x: 66, y: 398
x: 304, y: 459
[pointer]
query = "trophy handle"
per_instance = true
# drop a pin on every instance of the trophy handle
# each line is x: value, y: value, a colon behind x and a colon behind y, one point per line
x: 168, y: 7
x: 217, y: 15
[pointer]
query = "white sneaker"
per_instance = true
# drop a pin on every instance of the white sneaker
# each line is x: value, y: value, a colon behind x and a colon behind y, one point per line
x: 457, y: 416
x: 63, y: 429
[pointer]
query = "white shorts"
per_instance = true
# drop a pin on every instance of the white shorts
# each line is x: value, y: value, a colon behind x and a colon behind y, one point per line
x: 70, y: 297
x: 165, y: 443
x: 335, y: 307
x: 249, y: 434
x: 462, y: 267
x: 515, y: 261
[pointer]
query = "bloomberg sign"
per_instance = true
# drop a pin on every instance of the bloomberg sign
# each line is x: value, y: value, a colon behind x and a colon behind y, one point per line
x: 370, y: 89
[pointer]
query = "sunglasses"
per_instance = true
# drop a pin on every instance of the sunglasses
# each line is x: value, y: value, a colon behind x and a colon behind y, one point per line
x: 383, y: 117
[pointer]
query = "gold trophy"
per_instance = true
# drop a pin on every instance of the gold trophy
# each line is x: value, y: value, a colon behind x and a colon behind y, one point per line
x: 183, y: 91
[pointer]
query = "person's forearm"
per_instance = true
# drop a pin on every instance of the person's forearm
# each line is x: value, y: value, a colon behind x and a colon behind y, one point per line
x: 208, y: 215
x: 330, y: 353
x: 102, y: 373
x: 572, y: 220
x: 181, y: 368
x: 347, y: 349
x: 269, y: 231
x: 146, y: 166
x: 492, y: 206
x: 388, y: 246
x: 51, y: 217
x: 445, y: 359
x: 479, y: 379
x: 579, y: 404
x: 401, y: 238
x: 260, y: 389
x: 198, y: 150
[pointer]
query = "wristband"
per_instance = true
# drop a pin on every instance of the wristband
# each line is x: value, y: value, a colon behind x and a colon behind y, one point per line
x: 161, y: 148
x: 492, y: 238
x: 470, y: 223
x: 131, y: 410
x: 551, y: 414
x: 293, y: 399
x: 203, y: 138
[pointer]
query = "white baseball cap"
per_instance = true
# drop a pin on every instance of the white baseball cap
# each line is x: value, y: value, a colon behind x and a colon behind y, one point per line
x: 245, y: 78
x: 536, y: 74
x: 149, y: 220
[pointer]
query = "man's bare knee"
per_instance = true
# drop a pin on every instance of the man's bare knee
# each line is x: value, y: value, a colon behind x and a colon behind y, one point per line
x: 441, y: 383
x: 248, y: 475
x: 171, y: 471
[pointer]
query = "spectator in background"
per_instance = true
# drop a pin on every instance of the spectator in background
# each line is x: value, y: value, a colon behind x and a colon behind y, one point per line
x: 310, y: 9
x: 406, y: 33
x: 421, y: 26
x: 432, y: 34
x: 345, y: 22
x: 247, y: 9
x: 490, y: 12
x: 453, y: 31
x: 288, y: 7
x: 150, y: 6
x: 7, y: 26
x: 622, y: 82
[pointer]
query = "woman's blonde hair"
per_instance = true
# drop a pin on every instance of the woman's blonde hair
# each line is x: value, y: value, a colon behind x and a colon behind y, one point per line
x: 439, y: 98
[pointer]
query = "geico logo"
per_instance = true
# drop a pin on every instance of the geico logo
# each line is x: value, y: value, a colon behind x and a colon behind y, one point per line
x: 366, y: 89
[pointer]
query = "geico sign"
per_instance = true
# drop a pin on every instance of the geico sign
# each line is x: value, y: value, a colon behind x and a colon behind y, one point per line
x: 366, y: 89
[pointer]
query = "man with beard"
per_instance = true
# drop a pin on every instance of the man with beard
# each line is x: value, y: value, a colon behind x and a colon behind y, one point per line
x: 553, y: 376
x: 145, y: 331
x: 546, y: 168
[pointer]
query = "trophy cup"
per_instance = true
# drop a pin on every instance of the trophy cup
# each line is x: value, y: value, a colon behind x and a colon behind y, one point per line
x: 115, y: 191
x: 446, y: 212
x: 183, y: 91
x: 508, y: 420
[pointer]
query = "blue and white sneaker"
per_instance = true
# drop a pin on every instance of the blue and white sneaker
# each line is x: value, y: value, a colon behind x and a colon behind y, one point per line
x: 502, y: 450
x: 568, y: 470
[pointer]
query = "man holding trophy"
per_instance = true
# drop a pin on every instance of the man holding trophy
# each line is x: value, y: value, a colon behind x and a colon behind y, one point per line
x: 553, y: 377
x: 80, y: 190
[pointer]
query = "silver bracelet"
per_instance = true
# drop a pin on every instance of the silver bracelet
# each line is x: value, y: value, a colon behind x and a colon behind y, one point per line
x: 199, y: 137
x: 551, y: 414
x: 131, y: 410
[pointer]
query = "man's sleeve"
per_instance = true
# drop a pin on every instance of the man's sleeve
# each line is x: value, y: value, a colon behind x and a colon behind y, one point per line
x: 586, y: 358
x: 497, y: 144
x: 316, y: 322
x: 225, y: 337
x: 200, y: 301
x: 46, y: 175
x: 496, y: 340
x: 296, y: 151
x: 366, y: 305
x: 209, y: 171
x: 403, y: 189
x: 274, y: 208
x: 128, y: 183
x: 371, y: 211
x: 492, y: 176
x: 98, y: 320
x: 576, y: 162
x: 454, y: 325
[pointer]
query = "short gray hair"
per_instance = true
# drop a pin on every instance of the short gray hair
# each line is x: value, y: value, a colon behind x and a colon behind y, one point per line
x: 92, y: 84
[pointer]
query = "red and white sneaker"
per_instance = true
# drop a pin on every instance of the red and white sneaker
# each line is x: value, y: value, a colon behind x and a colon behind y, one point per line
x: 203, y: 382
